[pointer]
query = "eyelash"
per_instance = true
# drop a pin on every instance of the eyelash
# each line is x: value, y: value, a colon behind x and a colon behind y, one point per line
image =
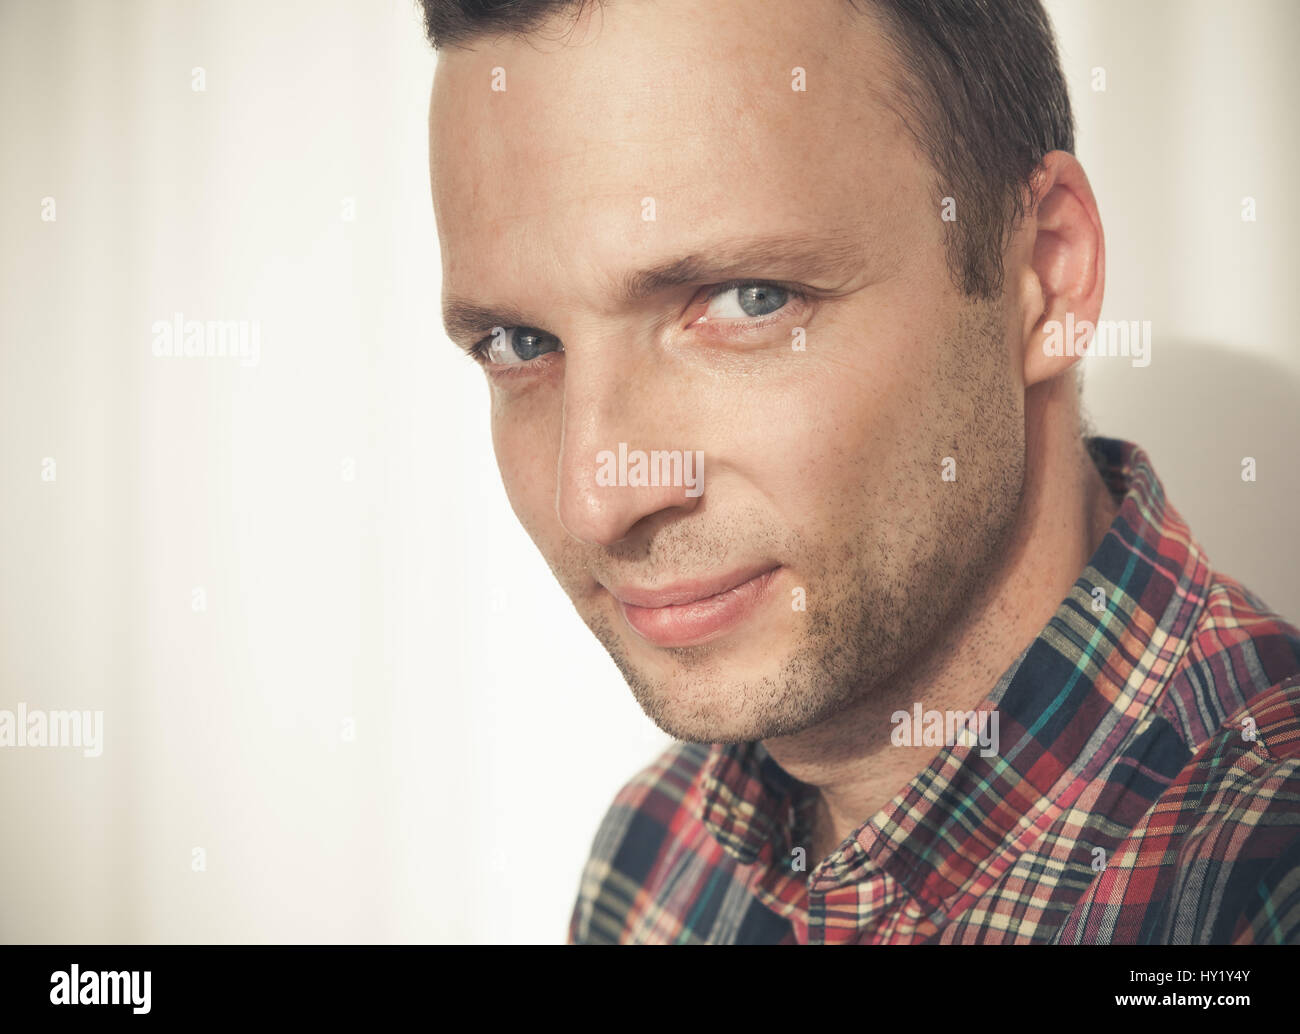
x: 478, y: 351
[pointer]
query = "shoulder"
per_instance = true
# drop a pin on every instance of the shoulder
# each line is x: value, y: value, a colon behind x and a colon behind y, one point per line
x: 1217, y: 857
x: 1241, y: 653
x: 646, y: 818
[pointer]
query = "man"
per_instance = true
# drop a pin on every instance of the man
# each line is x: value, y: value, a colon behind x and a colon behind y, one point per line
x: 770, y: 298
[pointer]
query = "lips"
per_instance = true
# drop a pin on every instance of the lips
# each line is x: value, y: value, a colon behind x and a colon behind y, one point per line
x: 689, y: 613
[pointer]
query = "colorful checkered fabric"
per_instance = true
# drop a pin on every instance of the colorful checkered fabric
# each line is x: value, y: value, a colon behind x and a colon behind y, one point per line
x: 1146, y: 789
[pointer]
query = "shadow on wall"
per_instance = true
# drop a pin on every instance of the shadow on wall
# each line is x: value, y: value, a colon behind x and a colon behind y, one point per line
x: 1199, y: 411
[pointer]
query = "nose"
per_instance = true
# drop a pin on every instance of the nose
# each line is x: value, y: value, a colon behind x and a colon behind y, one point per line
x: 623, y: 456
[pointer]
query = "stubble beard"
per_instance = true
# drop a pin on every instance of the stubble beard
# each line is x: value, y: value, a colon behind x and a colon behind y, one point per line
x: 876, y: 609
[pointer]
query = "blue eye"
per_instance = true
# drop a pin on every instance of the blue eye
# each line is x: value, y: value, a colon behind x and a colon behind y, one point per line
x: 510, y: 346
x: 747, y: 301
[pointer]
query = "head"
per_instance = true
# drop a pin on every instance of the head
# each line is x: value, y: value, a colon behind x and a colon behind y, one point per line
x: 813, y: 245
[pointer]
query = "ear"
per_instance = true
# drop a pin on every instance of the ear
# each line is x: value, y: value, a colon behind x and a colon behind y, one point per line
x: 1060, y: 268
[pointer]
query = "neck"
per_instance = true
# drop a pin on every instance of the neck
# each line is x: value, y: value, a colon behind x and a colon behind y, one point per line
x: 1064, y: 514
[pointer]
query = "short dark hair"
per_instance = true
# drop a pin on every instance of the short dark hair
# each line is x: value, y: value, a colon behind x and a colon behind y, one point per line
x: 982, y: 94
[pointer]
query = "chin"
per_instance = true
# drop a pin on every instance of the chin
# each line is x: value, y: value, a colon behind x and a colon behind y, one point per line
x: 735, y: 689
x: 702, y: 727
x: 713, y: 708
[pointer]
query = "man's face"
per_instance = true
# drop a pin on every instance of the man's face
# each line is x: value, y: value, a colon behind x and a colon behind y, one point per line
x: 813, y: 348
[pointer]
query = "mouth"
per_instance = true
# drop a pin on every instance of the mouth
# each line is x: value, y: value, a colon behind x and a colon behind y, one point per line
x: 690, y: 613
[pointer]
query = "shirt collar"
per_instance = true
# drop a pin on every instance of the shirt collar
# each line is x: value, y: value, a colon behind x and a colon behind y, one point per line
x: 1066, y: 704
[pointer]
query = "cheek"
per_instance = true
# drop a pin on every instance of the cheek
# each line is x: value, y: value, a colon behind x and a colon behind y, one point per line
x: 526, y: 454
x: 846, y: 442
x: 822, y: 431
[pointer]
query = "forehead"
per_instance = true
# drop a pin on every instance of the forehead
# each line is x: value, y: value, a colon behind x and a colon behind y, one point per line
x: 691, y: 105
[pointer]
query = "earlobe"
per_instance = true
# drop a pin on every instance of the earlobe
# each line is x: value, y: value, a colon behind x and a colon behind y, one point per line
x: 1066, y: 268
x: 1032, y: 305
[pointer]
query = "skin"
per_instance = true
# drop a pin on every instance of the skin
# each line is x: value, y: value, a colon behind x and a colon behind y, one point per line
x: 827, y: 461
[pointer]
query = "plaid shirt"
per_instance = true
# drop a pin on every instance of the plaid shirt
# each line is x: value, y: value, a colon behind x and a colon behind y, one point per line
x: 1146, y: 789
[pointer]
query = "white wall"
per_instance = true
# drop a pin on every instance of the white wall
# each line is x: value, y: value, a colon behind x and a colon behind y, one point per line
x: 1199, y: 113
x: 490, y: 728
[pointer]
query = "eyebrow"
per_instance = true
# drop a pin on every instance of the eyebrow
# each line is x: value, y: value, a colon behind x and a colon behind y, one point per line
x: 835, y: 256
